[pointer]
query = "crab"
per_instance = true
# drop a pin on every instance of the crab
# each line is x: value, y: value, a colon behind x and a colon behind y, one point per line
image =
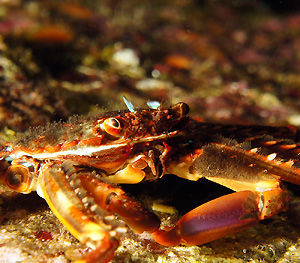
x: 77, y: 168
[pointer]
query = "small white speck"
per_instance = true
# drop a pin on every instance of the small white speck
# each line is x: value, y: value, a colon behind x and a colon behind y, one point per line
x: 126, y: 57
x: 271, y: 156
x: 8, y: 148
x: 155, y: 73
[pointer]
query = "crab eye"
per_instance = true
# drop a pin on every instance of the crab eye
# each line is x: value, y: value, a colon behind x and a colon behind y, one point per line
x: 18, y: 178
x: 112, y: 126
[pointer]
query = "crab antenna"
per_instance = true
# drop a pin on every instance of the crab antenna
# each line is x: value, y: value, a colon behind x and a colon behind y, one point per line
x: 129, y: 105
x: 153, y: 104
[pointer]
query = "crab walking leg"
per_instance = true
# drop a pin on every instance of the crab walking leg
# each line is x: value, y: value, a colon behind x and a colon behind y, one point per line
x: 212, y: 220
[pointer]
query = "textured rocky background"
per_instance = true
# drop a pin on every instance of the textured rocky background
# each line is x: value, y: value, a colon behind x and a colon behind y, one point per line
x: 235, y: 62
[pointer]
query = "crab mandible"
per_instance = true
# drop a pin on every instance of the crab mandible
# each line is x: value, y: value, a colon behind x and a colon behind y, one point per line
x: 76, y: 166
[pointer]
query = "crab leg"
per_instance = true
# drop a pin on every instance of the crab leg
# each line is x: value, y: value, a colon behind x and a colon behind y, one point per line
x: 85, y: 206
x: 212, y: 220
x: 259, y: 195
x: 220, y: 217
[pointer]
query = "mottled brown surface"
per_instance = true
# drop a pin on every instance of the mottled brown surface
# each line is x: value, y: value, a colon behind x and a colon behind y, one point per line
x: 235, y: 62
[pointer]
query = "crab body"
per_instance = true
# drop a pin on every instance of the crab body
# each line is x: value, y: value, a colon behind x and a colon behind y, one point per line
x: 77, y: 166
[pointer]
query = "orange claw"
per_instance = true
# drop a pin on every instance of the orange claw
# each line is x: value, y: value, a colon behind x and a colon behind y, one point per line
x: 85, y: 204
x: 114, y: 200
x: 134, y: 214
x: 212, y: 220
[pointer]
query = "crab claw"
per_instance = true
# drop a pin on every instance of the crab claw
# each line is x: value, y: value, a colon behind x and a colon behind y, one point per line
x: 114, y: 200
x: 212, y: 220
x: 86, y: 206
